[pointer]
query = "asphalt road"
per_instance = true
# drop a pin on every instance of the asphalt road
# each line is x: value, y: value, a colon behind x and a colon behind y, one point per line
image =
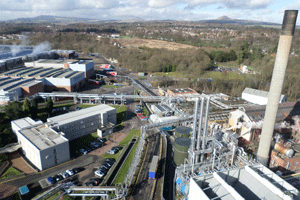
x: 81, y: 161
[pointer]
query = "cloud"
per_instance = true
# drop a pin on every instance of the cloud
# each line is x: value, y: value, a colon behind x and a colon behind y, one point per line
x: 145, y: 9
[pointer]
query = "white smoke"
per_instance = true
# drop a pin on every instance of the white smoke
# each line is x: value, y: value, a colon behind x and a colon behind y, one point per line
x: 44, y: 46
x: 24, y: 40
x: 15, y: 49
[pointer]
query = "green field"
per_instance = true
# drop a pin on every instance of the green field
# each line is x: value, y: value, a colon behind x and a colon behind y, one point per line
x: 11, y: 172
x: 87, y: 105
x: 111, y: 86
x: 224, y: 76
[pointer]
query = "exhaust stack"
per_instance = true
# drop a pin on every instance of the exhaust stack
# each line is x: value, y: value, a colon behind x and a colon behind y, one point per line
x: 281, y: 61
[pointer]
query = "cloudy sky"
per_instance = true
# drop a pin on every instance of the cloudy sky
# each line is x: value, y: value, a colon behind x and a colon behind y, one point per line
x: 261, y: 10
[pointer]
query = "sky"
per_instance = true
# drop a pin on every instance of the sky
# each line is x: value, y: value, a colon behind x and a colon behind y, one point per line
x: 259, y: 10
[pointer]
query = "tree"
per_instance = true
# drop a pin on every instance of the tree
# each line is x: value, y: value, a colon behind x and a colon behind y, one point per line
x: 26, y: 107
x: 34, y: 108
x: 49, y: 106
x: 13, y: 110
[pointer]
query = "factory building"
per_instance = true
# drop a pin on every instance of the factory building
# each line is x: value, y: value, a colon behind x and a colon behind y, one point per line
x: 86, y: 66
x: 248, y: 182
x: 162, y: 110
x: 13, y: 88
x: 54, y: 79
x: 47, y: 144
x: 186, y: 93
x: 83, y: 122
x: 247, y: 122
x: 42, y: 146
x: 258, y: 96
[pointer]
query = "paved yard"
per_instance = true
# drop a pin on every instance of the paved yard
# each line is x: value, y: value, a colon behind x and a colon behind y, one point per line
x: 20, y: 164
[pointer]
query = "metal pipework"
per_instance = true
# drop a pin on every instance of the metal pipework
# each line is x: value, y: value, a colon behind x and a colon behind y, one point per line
x: 205, y: 123
x: 196, y: 108
x: 200, y: 123
x: 200, y: 127
x: 281, y: 61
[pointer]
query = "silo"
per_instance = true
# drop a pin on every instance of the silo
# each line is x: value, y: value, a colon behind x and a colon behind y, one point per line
x: 181, y: 148
x: 183, y: 131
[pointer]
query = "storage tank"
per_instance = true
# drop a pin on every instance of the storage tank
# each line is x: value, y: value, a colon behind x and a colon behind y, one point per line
x: 183, y: 131
x: 181, y: 148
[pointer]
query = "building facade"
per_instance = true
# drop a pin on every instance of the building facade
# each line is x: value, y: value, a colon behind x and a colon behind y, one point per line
x: 47, y: 144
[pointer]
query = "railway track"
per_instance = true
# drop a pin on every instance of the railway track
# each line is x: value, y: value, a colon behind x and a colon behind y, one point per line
x: 145, y: 88
x: 144, y: 186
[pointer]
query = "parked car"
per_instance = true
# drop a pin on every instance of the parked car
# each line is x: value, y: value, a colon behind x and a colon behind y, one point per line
x: 83, y: 151
x: 95, y: 144
x: 105, y: 165
x: 102, y: 139
x: 116, y: 148
x: 70, y: 172
x: 109, y: 162
x: 139, y: 114
x: 88, y: 149
x: 51, y: 180
x: 77, y: 169
x: 95, y: 181
x: 112, y: 151
x: 89, y: 183
x: 138, y: 110
x: 58, y: 177
x: 99, y: 173
x: 64, y: 175
x: 144, y: 119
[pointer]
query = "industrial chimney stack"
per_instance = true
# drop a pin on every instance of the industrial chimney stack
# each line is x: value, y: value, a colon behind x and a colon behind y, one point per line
x: 283, y: 51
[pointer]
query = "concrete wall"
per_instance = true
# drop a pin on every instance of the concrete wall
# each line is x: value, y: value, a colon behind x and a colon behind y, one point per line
x: 31, y: 90
x: 80, y: 128
x: 195, y: 191
x: 30, y: 151
x: 59, y: 152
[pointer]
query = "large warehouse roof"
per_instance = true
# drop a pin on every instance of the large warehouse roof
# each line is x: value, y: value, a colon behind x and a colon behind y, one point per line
x: 41, y: 72
x: 259, y: 93
x: 80, y: 114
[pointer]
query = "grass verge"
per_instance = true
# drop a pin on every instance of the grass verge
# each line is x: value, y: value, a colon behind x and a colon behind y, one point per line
x: 87, y: 106
x: 111, y: 86
x: 10, y: 173
x: 122, y: 173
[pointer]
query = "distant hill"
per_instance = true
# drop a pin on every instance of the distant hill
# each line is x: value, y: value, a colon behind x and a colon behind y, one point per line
x: 68, y: 20
x: 227, y: 20
x: 53, y: 19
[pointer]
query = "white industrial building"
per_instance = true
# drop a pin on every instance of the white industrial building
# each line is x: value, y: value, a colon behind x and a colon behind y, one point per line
x: 42, y: 146
x: 155, y: 118
x: 249, y: 182
x: 86, y: 66
x: 258, y: 96
x: 47, y: 144
x: 83, y: 122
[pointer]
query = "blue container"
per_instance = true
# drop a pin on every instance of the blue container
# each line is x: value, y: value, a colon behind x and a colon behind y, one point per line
x: 151, y: 175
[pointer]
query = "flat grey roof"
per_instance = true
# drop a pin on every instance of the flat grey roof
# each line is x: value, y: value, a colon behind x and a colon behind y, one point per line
x: 182, y: 90
x: 25, y: 122
x: 258, y: 92
x: 80, y: 114
x: 42, y: 136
